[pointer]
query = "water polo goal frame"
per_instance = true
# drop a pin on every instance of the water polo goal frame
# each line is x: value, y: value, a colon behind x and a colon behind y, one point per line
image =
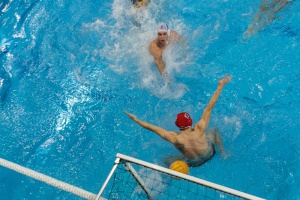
x: 126, y: 160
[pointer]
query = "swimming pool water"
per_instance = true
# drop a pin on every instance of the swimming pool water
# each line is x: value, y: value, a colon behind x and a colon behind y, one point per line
x: 69, y: 70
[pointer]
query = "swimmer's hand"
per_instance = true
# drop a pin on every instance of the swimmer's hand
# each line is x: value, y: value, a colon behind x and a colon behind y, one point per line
x: 224, y: 80
x: 165, y: 75
x: 133, y: 117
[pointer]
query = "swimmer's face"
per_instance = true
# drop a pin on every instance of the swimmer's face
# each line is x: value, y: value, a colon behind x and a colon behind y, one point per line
x: 162, y: 37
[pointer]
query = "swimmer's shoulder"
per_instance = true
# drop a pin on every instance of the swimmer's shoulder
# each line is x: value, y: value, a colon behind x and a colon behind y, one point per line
x: 153, y: 44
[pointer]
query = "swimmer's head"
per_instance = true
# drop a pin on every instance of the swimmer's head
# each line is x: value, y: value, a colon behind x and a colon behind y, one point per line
x: 162, y: 33
x: 138, y: 3
x: 183, y: 121
x: 162, y: 27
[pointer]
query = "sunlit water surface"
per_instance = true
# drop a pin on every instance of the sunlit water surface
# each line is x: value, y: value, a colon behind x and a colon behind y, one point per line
x: 69, y: 70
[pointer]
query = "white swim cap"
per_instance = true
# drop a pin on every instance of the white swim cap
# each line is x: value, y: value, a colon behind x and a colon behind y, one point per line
x: 162, y: 27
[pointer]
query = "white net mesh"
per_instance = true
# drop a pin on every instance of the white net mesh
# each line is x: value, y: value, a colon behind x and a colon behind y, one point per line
x: 154, y: 184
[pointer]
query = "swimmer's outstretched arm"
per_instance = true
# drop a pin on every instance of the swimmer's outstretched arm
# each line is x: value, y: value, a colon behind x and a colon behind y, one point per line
x: 166, y: 135
x: 205, y: 118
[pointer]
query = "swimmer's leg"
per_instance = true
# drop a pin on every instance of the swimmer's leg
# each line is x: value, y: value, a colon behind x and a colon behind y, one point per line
x: 214, y: 136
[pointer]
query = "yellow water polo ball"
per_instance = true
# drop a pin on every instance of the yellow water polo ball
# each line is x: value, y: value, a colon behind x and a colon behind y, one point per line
x: 180, y: 166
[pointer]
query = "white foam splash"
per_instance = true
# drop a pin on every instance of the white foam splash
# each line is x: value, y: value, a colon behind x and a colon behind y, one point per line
x: 127, y: 49
x: 234, y: 121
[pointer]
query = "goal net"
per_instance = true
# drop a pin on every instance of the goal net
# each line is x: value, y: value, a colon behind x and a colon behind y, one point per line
x: 131, y: 178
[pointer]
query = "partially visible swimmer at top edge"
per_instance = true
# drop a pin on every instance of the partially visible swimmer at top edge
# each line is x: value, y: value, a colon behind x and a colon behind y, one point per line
x: 265, y: 15
x: 139, y: 4
x: 158, y: 45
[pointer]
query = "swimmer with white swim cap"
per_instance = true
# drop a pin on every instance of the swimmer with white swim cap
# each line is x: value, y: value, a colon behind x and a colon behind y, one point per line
x: 158, y: 45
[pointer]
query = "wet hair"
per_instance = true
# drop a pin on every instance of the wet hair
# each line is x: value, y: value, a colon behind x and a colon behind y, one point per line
x: 134, y: 2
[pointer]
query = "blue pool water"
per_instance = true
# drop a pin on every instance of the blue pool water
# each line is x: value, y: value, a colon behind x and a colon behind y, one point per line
x: 69, y: 70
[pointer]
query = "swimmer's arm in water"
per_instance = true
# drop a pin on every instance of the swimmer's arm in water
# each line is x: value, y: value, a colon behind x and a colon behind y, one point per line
x: 160, y: 64
x: 166, y: 135
x: 176, y: 36
x: 281, y: 5
x: 157, y: 55
x: 205, y: 118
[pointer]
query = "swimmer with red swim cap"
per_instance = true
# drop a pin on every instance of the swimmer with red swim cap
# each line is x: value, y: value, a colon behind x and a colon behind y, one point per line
x: 195, y: 145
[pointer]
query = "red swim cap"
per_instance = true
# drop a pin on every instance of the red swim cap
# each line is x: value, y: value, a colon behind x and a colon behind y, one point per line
x: 183, y: 121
